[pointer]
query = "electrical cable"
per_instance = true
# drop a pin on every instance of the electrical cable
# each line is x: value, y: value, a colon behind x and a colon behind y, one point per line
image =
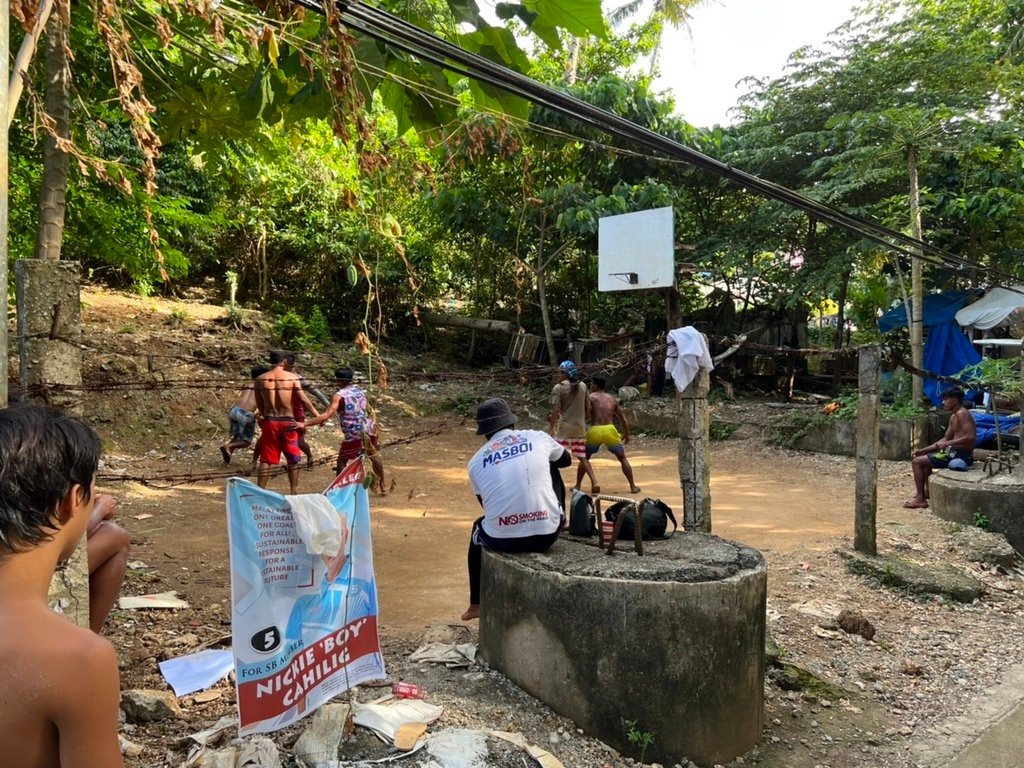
x: 410, y: 39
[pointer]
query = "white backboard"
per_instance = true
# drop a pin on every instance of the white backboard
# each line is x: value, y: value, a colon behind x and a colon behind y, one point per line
x: 635, y: 251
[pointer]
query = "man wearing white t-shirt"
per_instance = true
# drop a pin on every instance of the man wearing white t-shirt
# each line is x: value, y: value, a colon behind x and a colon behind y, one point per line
x: 516, y: 479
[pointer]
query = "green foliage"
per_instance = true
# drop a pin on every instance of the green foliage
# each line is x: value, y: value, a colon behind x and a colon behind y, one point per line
x: 640, y: 739
x: 292, y: 331
x: 980, y: 520
x: 721, y: 430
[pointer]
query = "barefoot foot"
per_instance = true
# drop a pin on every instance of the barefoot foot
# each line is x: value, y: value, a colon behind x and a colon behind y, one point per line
x: 473, y: 612
x: 225, y: 454
x: 916, y: 503
x: 635, y: 489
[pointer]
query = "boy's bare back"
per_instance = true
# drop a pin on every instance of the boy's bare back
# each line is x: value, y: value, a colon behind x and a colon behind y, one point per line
x: 59, y: 704
x: 59, y: 700
x: 603, y: 408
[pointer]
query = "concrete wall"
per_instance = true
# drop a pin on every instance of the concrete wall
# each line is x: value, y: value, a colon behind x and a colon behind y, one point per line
x: 897, y: 438
x: 957, y: 496
x: 49, y: 305
x: 673, y: 641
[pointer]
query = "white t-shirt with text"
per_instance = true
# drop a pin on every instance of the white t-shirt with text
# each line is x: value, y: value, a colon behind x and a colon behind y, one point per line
x: 511, y: 474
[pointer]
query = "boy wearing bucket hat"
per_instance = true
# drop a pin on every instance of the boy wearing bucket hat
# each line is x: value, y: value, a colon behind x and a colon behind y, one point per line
x: 570, y: 411
x: 516, y: 480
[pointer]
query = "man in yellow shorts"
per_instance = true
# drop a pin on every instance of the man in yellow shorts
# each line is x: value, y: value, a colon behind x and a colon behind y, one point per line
x: 604, y: 410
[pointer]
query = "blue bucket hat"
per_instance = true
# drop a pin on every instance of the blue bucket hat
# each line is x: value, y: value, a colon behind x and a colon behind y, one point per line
x: 569, y: 368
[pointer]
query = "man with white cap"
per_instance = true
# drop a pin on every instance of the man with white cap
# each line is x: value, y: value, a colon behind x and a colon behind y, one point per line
x: 516, y: 480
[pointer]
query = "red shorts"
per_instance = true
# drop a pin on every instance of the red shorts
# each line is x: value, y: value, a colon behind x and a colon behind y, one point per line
x: 353, y: 449
x: 576, y: 446
x: 279, y: 436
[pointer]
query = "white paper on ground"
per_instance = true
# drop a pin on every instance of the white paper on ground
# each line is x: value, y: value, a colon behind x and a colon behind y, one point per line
x: 196, y: 671
x: 385, y: 718
x: 160, y: 600
x: 450, y: 655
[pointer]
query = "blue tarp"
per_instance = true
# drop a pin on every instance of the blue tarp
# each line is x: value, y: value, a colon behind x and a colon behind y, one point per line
x: 938, y: 308
x: 946, y: 351
x: 986, y: 425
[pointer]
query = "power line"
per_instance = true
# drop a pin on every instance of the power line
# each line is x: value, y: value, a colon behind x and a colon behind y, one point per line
x: 412, y: 40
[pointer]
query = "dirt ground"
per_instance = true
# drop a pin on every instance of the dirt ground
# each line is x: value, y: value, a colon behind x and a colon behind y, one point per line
x: 797, y: 509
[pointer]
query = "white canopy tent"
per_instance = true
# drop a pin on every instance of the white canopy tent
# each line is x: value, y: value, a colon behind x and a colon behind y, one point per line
x: 996, y: 308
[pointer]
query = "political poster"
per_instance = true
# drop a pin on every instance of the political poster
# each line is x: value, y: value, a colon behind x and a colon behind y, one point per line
x: 304, y: 598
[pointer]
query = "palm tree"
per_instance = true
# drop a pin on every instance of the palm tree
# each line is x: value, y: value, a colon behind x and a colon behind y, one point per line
x: 674, y: 13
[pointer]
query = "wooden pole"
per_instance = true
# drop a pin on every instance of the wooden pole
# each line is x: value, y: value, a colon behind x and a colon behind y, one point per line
x: 869, y: 380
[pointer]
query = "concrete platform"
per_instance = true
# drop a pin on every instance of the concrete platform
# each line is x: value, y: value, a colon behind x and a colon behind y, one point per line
x: 959, y: 496
x: 672, y: 641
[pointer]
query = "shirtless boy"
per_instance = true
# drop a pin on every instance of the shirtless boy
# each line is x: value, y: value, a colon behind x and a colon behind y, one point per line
x: 957, y: 445
x: 275, y: 391
x: 61, y: 690
x: 242, y: 417
x: 604, y: 410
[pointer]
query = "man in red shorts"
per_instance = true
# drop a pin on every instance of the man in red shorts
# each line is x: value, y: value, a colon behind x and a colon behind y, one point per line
x: 275, y: 391
x: 299, y: 410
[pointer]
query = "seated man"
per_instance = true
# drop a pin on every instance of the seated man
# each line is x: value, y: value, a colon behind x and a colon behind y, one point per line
x: 516, y: 480
x: 955, y: 448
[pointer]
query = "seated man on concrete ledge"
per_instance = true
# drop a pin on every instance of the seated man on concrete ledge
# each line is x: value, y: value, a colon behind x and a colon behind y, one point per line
x: 954, y: 450
x: 516, y: 480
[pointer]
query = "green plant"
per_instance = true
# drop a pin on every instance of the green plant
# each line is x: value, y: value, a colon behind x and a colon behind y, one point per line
x: 980, y: 520
x: 178, y: 318
x: 293, y: 331
x: 128, y: 328
x: 640, y: 739
x: 720, y: 430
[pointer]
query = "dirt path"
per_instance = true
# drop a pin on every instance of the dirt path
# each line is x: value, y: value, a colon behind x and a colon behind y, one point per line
x: 800, y: 505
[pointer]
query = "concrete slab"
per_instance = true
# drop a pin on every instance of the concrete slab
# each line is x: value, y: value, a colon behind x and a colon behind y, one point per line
x: 989, y: 735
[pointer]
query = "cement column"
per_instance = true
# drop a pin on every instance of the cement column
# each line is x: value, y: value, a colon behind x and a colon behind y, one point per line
x: 694, y: 469
x: 869, y: 379
x: 69, y: 588
x: 49, y: 323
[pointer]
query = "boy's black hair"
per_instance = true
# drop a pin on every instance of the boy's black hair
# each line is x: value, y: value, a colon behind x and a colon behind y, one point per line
x: 43, y: 453
x: 599, y: 382
x: 276, y: 357
x: 258, y: 371
x: 289, y: 357
x: 343, y: 374
x: 953, y: 392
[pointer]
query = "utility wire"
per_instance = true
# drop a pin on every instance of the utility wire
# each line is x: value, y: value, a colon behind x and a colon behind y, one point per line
x: 412, y: 40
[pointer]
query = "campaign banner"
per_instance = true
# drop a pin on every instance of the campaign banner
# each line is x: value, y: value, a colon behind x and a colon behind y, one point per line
x: 304, y: 625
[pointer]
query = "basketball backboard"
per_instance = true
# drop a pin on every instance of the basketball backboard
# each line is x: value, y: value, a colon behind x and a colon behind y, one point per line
x: 635, y: 251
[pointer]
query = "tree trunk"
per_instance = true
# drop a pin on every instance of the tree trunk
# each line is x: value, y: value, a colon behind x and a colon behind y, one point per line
x: 837, y: 368
x: 473, y: 323
x: 54, y: 187
x: 572, y: 64
x: 916, y: 280
x: 542, y: 296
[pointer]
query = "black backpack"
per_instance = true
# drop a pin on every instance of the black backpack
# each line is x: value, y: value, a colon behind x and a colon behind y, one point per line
x: 654, y: 516
x: 581, y: 515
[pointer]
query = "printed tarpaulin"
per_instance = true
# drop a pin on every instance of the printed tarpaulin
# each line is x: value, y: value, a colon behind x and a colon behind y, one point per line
x: 947, y: 351
x: 304, y: 626
x: 937, y: 308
